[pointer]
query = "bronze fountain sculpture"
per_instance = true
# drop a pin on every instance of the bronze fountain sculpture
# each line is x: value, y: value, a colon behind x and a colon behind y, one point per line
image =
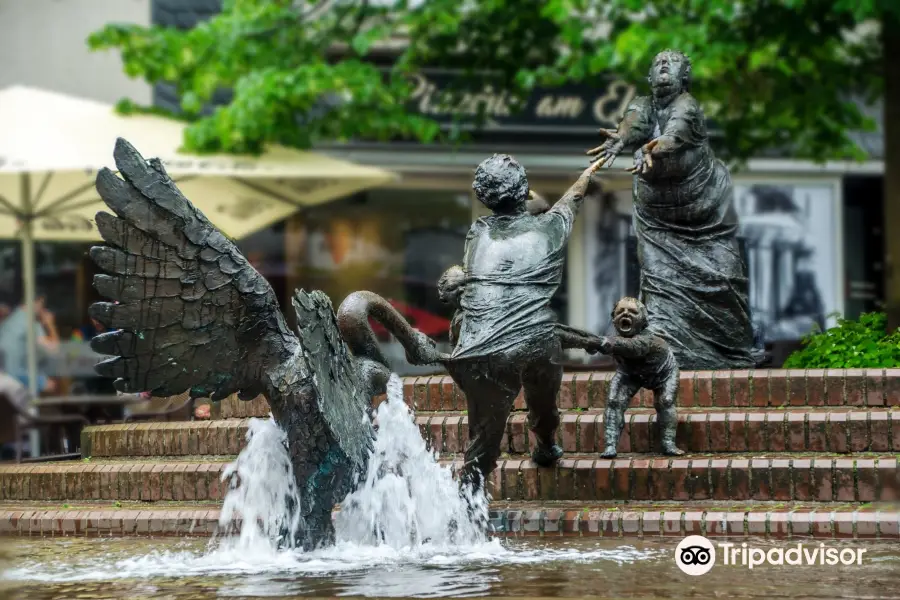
x: 507, y: 337
x: 643, y: 360
x: 189, y: 313
x: 693, y: 281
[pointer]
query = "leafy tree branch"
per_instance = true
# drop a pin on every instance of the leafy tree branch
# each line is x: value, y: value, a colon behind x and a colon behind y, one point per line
x: 769, y: 74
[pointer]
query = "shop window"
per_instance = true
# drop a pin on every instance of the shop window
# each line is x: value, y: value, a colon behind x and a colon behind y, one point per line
x: 64, y: 277
x: 396, y: 243
x: 786, y: 239
x: 863, y: 244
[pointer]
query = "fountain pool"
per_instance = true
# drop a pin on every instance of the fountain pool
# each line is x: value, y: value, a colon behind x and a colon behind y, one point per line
x: 392, y: 542
x: 137, y: 569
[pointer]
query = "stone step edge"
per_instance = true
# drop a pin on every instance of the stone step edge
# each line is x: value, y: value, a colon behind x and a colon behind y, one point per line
x: 617, y: 522
x: 833, y: 479
x: 212, y: 461
x: 640, y: 460
x: 571, y: 412
x: 769, y: 414
x: 448, y: 458
x: 759, y: 388
x: 729, y: 430
x: 726, y: 388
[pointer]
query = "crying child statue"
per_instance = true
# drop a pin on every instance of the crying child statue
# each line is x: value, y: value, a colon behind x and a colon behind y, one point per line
x: 643, y: 360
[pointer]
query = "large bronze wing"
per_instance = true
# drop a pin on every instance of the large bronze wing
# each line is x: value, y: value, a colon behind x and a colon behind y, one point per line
x: 190, y: 312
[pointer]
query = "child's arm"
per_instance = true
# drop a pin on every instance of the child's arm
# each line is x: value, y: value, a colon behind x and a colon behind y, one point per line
x: 635, y: 347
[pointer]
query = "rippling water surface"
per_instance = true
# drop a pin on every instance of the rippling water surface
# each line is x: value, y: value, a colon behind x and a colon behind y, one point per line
x: 137, y: 569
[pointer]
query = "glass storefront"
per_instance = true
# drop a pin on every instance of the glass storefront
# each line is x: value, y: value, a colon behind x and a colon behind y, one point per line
x: 396, y: 243
x: 863, y: 244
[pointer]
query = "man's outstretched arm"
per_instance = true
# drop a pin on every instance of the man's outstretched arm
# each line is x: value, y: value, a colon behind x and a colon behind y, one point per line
x: 568, y: 206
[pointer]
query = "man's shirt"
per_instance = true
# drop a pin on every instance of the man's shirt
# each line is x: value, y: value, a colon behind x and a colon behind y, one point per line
x: 514, y: 265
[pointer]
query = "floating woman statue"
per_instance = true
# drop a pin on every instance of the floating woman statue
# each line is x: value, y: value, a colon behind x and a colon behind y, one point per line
x: 693, y: 281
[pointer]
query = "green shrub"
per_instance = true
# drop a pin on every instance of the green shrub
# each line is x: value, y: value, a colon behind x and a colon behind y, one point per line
x: 850, y: 345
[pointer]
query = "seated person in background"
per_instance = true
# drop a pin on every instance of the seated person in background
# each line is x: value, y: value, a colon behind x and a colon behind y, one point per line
x: 14, y: 342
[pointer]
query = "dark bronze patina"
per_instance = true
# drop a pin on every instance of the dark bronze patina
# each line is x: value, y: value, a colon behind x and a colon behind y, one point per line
x: 643, y: 360
x: 692, y: 279
x: 505, y: 336
x: 191, y: 314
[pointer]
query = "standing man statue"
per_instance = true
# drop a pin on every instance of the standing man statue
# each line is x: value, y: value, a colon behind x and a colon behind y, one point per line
x: 693, y: 281
x: 507, y: 333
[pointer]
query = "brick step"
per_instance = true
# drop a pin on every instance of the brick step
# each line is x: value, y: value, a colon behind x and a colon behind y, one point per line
x: 820, y: 429
x: 723, y: 389
x: 785, y: 477
x: 839, y: 430
x: 636, y: 519
x: 704, y: 389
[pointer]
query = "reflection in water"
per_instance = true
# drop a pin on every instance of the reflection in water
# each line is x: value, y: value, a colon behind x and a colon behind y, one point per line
x: 136, y: 569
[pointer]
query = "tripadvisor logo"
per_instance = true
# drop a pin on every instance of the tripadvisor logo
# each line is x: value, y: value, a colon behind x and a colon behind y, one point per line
x: 696, y: 555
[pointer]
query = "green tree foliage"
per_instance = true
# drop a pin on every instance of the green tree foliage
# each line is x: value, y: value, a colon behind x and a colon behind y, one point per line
x: 274, y: 55
x: 851, y: 345
x: 769, y: 73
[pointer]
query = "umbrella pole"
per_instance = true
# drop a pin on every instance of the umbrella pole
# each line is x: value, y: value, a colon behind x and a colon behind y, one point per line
x: 28, y: 285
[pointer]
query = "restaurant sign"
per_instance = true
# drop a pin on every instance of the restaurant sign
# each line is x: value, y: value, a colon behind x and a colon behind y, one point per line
x: 572, y: 109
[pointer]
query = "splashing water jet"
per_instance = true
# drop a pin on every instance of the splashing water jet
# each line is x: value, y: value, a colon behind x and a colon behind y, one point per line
x: 261, y: 510
x: 406, y: 499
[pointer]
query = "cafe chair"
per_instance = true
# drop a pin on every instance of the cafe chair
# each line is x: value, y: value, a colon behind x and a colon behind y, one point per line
x: 13, y: 430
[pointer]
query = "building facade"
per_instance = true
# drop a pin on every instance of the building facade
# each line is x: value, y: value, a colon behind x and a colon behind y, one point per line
x: 810, y: 233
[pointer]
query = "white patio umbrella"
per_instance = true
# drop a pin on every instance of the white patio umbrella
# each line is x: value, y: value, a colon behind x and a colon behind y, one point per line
x: 51, y: 146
